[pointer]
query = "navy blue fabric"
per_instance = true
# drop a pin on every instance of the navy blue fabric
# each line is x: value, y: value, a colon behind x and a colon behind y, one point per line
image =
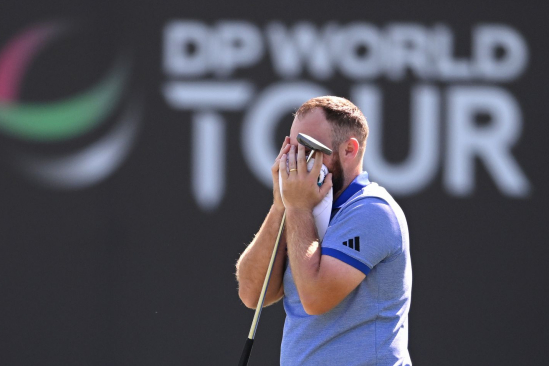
x: 356, y: 185
x: 346, y: 259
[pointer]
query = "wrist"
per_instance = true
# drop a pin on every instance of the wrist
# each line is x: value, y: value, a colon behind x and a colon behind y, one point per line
x: 297, y: 210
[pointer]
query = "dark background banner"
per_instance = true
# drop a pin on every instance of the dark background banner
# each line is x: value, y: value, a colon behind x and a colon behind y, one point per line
x: 136, y: 139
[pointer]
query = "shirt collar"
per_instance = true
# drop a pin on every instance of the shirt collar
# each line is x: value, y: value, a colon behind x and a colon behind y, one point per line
x: 356, y: 185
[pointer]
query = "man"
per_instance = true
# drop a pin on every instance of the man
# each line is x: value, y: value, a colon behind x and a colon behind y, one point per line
x: 347, y: 298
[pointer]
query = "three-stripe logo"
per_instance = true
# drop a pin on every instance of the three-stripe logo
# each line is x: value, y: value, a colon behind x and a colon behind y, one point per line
x: 353, y: 243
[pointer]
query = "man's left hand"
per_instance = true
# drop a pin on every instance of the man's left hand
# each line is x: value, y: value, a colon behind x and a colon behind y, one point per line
x: 299, y: 187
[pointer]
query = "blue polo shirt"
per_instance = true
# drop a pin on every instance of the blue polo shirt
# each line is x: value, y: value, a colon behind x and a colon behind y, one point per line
x: 367, y: 231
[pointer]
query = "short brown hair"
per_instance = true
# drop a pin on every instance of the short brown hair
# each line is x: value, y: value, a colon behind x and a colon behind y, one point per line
x: 346, y: 119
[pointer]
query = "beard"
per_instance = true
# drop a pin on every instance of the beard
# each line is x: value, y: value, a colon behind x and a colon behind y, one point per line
x: 338, y: 177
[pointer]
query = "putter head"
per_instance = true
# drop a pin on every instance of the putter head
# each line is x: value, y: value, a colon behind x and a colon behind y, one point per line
x: 313, y: 144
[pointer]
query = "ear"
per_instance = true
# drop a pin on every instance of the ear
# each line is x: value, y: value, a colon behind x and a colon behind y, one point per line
x: 349, y: 149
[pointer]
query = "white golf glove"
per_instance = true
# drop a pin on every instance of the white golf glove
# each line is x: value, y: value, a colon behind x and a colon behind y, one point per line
x: 323, y: 210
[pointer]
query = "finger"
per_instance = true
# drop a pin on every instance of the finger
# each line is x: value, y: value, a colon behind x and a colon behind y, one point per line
x: 326, y: 185
x: 315, y: 171
x: 301, y: 161
x: 276, y: 164
x: 274, y: 168
x: 291, y: 162
x: 284, y: 150
x: 286, y: 142
x: 282, y: 168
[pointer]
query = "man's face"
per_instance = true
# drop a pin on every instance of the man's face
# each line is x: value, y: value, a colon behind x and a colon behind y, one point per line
x: 315, y: 125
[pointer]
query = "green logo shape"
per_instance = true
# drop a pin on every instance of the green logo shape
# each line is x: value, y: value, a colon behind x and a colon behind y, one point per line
x: 68, y: 118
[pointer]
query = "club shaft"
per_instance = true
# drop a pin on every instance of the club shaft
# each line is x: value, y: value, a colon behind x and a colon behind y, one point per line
x: 259, y: 307
x: 266, y: 281
x: 251, y: 336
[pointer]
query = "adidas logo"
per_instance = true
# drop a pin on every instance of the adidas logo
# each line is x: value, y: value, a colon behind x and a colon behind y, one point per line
x: 353, y: 243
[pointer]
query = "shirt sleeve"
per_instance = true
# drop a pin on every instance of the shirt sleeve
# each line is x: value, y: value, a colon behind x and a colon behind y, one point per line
x: 363, y: 234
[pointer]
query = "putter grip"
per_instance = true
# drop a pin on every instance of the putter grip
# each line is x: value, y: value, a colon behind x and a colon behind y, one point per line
x: 246, y: 352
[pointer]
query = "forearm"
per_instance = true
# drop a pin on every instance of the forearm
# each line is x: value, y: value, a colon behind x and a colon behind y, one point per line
x: 304, y: 253
x: 252, y: 265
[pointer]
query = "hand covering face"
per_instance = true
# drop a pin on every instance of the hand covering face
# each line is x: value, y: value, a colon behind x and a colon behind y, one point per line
x: 322, y: 211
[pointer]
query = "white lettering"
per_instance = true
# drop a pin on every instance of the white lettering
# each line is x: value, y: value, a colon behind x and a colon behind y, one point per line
x: 208, y: 159
x: 239, y: 45
x: 408, y: 49
x: 492, y: 143
x: 448, y: 68
x: 208, y: 94
x: 421, y: 165
x: 186, y: 48
x: 487, y: 41
x: 304, y: 44
x: 359, y: 51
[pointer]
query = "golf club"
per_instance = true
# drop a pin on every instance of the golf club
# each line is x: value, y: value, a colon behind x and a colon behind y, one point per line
x: 314, y: 145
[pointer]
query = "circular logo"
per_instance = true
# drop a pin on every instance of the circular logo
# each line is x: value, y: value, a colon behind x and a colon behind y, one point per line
x: 62, y: 120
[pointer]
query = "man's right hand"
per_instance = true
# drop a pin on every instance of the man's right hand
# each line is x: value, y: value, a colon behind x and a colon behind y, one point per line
x: 251, y: 267
x: 277, y: 199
